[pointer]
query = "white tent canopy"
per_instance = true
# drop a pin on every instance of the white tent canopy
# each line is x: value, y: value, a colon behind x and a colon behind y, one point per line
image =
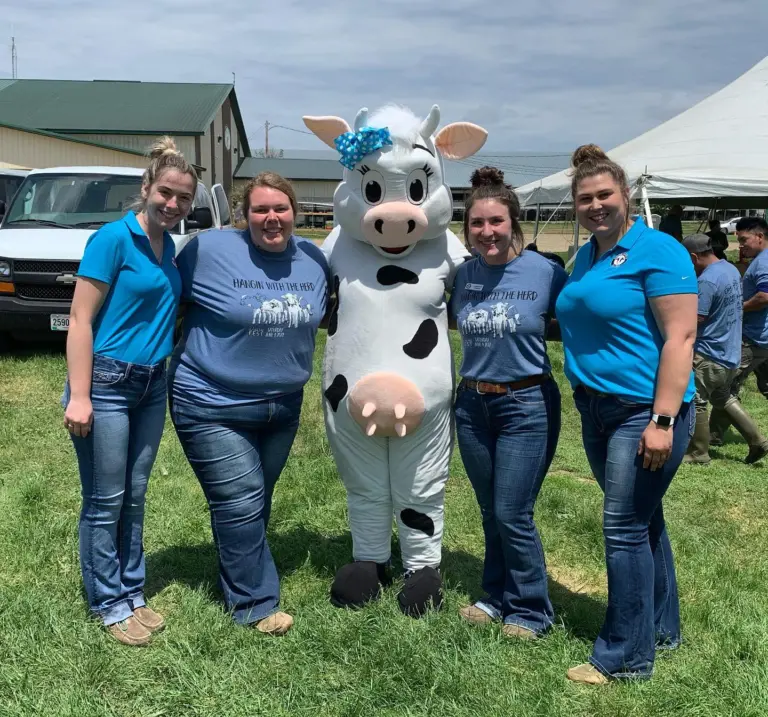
x: 713, y: 154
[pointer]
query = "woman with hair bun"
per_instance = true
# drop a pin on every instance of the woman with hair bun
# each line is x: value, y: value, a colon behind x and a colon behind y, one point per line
x: 120, y: 334
x: 507, y: 404
x: 628, y: 324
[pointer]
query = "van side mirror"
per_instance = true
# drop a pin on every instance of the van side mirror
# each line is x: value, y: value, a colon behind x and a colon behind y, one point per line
x: 200, y: 218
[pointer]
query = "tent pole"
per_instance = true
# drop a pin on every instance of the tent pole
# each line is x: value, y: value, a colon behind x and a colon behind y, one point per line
x: 536, y: 226
x: 646, y: 205
x: 575, y: 232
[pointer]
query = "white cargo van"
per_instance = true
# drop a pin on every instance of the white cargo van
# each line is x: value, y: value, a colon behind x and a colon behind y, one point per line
x: 46, y: 226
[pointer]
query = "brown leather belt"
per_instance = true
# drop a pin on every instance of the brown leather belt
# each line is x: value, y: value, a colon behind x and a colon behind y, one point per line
x: 487, y: 387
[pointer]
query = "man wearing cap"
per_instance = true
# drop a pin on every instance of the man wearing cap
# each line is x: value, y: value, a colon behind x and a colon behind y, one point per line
x: 717, y: 351
x: 752, y: 233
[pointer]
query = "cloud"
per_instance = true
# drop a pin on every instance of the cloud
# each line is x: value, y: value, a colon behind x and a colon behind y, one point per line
x: 540, y: 76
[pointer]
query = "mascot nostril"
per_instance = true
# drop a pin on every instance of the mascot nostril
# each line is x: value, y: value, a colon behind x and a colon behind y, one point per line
x: 387, y: 369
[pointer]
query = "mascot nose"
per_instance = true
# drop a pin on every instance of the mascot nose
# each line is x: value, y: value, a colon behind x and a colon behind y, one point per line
x: 394, y: 224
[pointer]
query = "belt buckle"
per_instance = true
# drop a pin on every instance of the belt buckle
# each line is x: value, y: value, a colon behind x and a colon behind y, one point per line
x: 477, y: 389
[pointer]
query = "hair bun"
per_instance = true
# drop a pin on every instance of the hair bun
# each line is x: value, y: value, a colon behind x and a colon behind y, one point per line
x: 164, y: 145
x: 487, y: 177
x: 588, y: 153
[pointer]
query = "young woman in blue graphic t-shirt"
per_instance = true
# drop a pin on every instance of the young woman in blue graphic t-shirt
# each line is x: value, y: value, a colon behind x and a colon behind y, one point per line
x: 120, y: 334
x: 254, y: 301
x: 507, y: 403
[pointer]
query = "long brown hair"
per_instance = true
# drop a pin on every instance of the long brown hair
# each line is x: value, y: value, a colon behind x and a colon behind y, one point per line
x: 488, y: 183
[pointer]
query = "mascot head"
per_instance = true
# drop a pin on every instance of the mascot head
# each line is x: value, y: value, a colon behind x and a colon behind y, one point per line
x: 393, y: 193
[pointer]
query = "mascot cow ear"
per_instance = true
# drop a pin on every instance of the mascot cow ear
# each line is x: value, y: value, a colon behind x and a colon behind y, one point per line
x: 460, y: 140
x: 327, y: 128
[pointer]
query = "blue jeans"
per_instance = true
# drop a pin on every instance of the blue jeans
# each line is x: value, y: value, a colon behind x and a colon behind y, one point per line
x: 507, y: 442
x: 643, y: 609
x: 237, y: 454
x: 115, y: 460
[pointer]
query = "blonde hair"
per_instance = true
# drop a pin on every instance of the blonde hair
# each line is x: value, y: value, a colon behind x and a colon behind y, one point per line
x: 273, y: 180
x: 163, y: 155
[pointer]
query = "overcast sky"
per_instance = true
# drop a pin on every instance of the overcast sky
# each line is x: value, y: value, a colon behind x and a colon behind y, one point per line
x: 539, y: 76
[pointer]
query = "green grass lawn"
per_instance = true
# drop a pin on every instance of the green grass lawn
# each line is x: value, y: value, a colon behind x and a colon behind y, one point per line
x: 56, y: 661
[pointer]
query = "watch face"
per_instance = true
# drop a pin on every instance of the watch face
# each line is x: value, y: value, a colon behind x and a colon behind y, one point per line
x: 663, y: 421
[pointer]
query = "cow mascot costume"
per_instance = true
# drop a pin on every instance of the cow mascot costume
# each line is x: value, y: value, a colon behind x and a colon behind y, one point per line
x: 388, y: 370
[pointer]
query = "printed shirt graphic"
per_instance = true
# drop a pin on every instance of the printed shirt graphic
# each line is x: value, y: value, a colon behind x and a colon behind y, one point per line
x: 611, y: 342
x: 252, y: 320
x: 756, y: 279
x: 719, y: 337
x: 501, y: 313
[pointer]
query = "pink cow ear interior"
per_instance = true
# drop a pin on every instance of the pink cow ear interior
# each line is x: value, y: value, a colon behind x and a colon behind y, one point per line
x: 460, y: 140
x: 327, y: 128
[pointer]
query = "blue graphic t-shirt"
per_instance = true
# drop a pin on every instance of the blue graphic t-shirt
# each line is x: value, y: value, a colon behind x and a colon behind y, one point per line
x: 719, y: 337
x: 755, y: 280
x: 501, y: 313
x: 252, y: 319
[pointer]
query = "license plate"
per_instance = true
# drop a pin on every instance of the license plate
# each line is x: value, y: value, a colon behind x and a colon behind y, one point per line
x: 59, y: 322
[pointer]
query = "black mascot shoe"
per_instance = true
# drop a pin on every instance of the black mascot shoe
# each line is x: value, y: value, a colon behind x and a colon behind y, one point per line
x: 358, y: 583
x: 422, y: 589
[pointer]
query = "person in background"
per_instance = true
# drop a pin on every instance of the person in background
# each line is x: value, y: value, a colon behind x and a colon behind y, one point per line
x: 507, y: 404
x: 672, y: 223
x: 254, y: 301
x: 719, y: 238
x: 120, y: 333
x: 627, y: 317
x: 752, y: 233
x: 717, y: 351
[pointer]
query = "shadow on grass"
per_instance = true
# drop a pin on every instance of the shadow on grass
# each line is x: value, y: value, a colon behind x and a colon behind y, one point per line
x: 197, y: 567
x: 33, y: 348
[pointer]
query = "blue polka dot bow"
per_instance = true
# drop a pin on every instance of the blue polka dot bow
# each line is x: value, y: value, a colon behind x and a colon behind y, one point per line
x: 353, y: 146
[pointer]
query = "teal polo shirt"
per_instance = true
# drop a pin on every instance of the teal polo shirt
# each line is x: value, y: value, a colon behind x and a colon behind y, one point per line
x: 610, y: 338
x: 136, y: 321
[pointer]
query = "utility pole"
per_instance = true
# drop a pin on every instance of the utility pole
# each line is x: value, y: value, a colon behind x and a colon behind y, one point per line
x: 14, y: 60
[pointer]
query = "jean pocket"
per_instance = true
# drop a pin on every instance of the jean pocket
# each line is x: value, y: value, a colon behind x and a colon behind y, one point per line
x: 106, y: 378
x: 528, y: 396
x: 629, y: 404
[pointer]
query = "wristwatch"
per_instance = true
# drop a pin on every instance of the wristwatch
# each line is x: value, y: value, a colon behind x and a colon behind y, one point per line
x: 662, y: 421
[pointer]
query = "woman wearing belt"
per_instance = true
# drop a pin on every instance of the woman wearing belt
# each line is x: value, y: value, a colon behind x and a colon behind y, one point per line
x: 507, y: 404
x: 628, y: 323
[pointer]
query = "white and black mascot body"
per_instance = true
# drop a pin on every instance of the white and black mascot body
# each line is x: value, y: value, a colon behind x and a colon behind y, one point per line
x: 388, y: 375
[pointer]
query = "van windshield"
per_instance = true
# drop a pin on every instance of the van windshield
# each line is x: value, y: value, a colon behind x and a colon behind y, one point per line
x: 72, y: 201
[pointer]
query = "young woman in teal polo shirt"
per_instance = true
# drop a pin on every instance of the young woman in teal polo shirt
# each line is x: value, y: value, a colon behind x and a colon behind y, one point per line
x: 120, y: 334
x: 628, y: 322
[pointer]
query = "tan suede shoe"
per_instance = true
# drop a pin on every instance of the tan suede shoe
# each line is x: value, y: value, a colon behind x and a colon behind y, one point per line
x: 153, y: 621
x: 587, y: 674
x: 475, y: 615
x: 277, y: 624
x: 130, y: 632
x: 519, y: 631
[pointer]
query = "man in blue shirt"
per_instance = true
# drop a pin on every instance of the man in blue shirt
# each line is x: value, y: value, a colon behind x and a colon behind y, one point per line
x: 717, y: 351
x: 752, y: 233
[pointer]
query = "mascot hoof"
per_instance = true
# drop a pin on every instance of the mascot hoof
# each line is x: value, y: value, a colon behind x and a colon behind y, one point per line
x: 422, y: 590
x: 358, y: 583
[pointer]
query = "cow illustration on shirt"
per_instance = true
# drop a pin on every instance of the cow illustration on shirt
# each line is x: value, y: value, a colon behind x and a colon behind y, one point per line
x: 388, y: 370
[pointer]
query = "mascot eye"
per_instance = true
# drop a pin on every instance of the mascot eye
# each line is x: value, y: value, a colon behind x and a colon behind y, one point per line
x: 373, y: 186
x: 417, y: 186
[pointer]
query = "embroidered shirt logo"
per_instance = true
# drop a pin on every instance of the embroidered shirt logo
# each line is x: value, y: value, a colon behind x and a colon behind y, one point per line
x: 619, y: 260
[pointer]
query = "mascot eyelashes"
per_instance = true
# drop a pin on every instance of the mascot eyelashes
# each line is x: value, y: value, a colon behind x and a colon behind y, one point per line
x: 388, y: 370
